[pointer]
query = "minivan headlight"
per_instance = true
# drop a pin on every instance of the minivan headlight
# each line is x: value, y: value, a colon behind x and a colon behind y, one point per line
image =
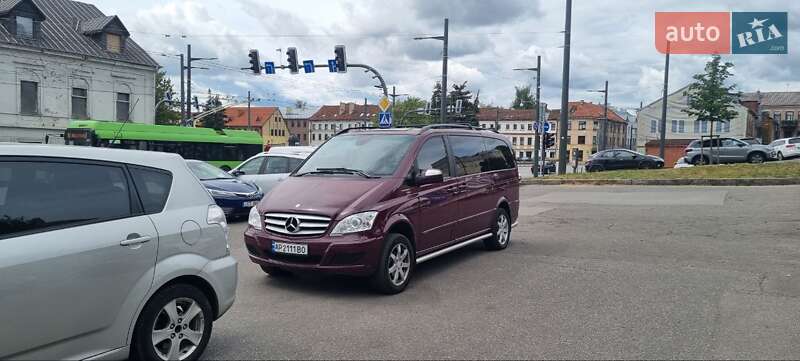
x: 254, y: 219
x: 358, y: 222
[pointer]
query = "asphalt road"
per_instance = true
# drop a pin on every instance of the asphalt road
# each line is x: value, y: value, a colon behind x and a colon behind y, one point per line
x: 592, y: 272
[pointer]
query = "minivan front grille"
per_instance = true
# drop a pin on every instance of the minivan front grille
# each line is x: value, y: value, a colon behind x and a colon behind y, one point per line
x: 296, y: 224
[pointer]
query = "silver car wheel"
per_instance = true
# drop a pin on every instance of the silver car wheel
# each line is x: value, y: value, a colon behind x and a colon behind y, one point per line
x: 399, y: 264
x: 502, y: 229
x: 178, y: 329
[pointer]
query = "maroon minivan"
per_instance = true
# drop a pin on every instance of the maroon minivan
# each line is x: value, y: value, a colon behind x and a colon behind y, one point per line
x: 376, y: 202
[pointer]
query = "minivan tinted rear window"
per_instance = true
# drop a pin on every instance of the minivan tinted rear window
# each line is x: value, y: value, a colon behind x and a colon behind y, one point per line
x: 44, y: 195
x: 469, y: 153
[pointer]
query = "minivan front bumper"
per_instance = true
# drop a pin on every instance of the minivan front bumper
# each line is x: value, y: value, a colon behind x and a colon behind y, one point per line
x: 350, y: 254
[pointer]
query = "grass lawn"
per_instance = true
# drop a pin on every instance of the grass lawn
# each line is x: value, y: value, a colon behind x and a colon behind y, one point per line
x: 743, y: 170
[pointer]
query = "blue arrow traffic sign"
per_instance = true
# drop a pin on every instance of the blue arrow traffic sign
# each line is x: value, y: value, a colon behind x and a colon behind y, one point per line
x: 546, y: 127
x: 536, y: 125
x: 269, y: 67
x: 332, y: 65
x: 308, y: 66
x: 385, y: 119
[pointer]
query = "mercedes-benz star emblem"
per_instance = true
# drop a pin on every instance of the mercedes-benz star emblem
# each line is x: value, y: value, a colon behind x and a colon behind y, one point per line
x: 292, y: 225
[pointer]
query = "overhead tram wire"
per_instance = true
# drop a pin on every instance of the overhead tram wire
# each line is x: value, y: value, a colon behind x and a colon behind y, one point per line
x: 332, y: 35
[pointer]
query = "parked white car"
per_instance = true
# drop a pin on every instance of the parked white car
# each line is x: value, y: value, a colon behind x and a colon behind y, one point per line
x: 266, y: 169
x: 786, y: 147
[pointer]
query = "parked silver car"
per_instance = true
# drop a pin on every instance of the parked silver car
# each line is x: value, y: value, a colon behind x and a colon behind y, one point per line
x: 108, y: 253
x: 268, y: 168
x: 727, y: 150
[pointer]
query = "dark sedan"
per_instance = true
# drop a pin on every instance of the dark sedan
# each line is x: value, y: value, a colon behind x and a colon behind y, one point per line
x: 622, y: 159
x: 233, y: 195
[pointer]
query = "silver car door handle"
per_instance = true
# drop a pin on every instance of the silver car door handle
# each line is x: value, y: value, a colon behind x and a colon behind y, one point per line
x: 135, y: 241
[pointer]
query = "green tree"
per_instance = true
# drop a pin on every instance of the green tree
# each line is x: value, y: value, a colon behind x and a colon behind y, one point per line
x: 523, y: 99
x: 410, y: 111
x: 436, y: 98
x: 469, y: 108
x: 167, y: 112
x: 710, y: 98
x: 215, y: 120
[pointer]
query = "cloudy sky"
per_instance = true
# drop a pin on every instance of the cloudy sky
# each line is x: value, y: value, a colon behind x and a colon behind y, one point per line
x: 611, y: 40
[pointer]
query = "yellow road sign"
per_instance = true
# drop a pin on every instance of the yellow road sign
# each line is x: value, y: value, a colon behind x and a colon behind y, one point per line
x: 383, y: 104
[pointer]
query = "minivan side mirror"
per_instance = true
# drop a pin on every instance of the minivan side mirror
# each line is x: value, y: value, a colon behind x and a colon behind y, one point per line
x: 237, y: 172
x: 429, y: 176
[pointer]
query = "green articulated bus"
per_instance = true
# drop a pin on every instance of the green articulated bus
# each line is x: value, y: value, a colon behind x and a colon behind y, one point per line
x: 223, y: 148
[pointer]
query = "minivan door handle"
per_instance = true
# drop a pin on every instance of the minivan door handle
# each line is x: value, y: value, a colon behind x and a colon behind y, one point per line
x: 134, y: 239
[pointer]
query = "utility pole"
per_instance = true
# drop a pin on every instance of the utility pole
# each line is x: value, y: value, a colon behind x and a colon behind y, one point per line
x: 537, y: 120
x: 443, y: 95
x: 248, y: 111
x: 564, y: 113
x: 443, y: 112
x: 662, y: 128
x: 394, y: 96
x: 604, y: 142
x: 539, y: 115
x: 189, y: 67
x: 183, y: 92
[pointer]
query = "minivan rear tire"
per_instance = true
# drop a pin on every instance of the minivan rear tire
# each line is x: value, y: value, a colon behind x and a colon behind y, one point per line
x: 142, y: 347
x: 385, y: 278
x: 501, y: 231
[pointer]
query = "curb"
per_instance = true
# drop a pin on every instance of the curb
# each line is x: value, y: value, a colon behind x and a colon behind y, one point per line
x: 668, y: 182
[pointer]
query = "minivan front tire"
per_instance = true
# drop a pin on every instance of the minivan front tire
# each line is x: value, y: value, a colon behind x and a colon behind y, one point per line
x: 501, y: 231
x: 175, y: 324
x: 396, y: 265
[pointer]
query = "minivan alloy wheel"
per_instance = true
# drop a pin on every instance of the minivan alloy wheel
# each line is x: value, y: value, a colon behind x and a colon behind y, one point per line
x: 502, y: 229
x: 178, y: 329
x: 399, y: 264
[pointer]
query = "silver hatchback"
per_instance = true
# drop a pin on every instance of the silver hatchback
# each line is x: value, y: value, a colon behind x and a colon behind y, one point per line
x: 108, y: 254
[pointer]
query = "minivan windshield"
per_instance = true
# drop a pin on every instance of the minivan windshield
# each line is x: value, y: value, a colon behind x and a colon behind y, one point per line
x: 206, y: 171
x: 371, y: 155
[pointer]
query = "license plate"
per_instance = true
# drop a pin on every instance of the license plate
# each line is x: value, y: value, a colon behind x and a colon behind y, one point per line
x: 290, y: 248
x: 249, y: 204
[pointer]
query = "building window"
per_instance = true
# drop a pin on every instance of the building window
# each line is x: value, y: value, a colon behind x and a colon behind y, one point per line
x: 595, y: 125
x: 582, y: 125
x: 776, y: 116
x: 530, y: 141
x: 569, y: 125
x: 681, y: 126
x: 594, y: 139
x: 29, y: 97
x: 79, y: 97
x: 581, y: 139
x: 24, y: 27
x: 530, y: 126
x: 508, y: 126
x: 114, y: 43
x: 789, y: 116
x: 123, y: 106
x: 704, y: 126
x: 515, y: 126
x: 569, y: 139
x: 514, y: 140
x: 674, y: 126
x: 653, y: 126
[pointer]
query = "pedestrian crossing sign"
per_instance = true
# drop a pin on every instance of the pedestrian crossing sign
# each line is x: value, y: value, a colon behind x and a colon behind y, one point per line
x: 385, y: 119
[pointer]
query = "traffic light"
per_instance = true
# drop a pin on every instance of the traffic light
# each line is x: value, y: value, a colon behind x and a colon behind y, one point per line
x: 341, y: 59
x: 255, y: 63
x: 292, y: 60
x: 549, y: 140
x: 196, y: 103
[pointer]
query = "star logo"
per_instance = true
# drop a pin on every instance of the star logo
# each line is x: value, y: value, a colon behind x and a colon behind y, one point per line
x: 757, y: 23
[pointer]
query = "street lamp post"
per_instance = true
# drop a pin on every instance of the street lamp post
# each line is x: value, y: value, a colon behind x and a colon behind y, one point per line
x: 603, y: 136
x: 538, y: 119
x: 443, y: 101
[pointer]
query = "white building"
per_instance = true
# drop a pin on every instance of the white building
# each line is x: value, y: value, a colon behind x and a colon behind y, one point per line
x: 681, y: 125
x: 330, y: 119
x: 62, y: 60
x: 515, y: 124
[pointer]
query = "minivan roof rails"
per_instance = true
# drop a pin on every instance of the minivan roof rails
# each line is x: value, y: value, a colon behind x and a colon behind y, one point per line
x: 454, y: 126
x: 346, y: 130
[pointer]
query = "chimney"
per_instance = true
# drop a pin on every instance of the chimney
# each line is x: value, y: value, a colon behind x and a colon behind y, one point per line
x: 341, y: 108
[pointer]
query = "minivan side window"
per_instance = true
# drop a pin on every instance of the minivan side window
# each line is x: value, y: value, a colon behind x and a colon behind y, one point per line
x: 469, y: 154
x: 433, y: 155
x: 499, y: 154
x: 153, y: 186
x: 41, y: 196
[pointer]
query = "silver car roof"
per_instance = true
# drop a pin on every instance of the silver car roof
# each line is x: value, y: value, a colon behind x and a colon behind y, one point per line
x: 167, y: 161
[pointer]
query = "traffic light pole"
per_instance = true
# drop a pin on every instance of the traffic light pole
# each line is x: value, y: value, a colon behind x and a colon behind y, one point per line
x: 536, y: 166
x: 564, y: 113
